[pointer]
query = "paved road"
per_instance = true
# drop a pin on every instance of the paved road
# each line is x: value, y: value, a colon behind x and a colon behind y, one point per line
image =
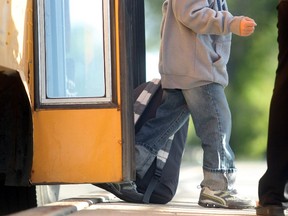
x: 190, y: 178
x: 90, y: 200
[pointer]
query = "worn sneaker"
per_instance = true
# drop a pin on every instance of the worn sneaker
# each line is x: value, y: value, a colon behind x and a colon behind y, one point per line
x: 223, y: 199
x: 126, y: 191
x: 271, y: 210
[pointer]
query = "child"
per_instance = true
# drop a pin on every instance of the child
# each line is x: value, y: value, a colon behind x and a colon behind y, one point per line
x: 195, y: 48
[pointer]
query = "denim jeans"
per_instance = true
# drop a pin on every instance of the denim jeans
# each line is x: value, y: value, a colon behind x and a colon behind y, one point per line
x: 212, y: 121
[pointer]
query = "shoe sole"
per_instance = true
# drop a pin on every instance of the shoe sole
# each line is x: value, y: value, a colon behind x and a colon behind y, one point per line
x: 217, y: 205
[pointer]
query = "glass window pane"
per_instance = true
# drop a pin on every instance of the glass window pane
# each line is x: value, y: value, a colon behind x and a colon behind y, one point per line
x: 74, y: 48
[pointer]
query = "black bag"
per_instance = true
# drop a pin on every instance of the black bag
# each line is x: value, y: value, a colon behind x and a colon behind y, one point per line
x: 160, y: 183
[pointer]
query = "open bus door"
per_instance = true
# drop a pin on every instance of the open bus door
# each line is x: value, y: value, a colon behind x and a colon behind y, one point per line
x: 76, y: 64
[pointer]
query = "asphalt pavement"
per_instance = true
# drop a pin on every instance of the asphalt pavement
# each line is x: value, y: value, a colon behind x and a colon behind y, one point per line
x: 86, y: 199
x: 248, y: 174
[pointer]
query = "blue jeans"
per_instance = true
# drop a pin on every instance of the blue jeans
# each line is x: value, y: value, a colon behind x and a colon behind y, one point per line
x: 212, y: 121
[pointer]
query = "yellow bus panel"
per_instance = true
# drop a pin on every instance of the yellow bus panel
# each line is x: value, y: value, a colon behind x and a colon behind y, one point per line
x: 77, y: 146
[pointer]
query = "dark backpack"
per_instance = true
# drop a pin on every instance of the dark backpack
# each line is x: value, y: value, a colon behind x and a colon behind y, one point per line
x: 160, y: 183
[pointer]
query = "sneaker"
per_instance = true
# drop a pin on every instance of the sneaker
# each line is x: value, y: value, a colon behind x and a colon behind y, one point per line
x: 223, y: 199
x: 271, y: 210
x: 126, y: 191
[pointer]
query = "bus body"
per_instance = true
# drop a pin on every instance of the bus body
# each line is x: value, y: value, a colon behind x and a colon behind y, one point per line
x: 67, y: 73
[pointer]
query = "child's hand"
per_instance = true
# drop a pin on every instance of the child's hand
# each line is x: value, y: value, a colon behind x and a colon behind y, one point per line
x: 247, y: 26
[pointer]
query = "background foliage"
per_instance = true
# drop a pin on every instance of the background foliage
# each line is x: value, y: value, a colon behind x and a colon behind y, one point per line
x: 251, y: 69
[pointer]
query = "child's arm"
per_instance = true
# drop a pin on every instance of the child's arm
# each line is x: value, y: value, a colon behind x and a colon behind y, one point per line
x: 199, y: 17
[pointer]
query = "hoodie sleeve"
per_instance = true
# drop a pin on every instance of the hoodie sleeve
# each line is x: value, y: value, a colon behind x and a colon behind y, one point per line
x: 204, y: 18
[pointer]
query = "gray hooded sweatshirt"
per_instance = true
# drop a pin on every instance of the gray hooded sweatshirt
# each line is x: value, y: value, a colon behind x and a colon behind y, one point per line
x: 195, y: 42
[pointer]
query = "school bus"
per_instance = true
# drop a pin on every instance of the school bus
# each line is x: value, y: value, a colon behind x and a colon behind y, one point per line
x: 67, y: 73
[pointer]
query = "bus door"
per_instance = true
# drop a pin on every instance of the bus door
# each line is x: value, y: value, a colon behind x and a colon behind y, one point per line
x: 83, y: 112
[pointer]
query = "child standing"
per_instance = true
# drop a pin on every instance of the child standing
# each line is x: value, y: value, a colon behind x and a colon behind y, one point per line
x: 195, y: 48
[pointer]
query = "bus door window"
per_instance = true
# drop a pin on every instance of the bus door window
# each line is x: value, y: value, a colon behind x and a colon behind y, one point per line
x: 77, y: 49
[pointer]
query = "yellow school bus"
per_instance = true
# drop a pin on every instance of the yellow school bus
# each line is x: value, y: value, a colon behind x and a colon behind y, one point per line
x: 67, y: 73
